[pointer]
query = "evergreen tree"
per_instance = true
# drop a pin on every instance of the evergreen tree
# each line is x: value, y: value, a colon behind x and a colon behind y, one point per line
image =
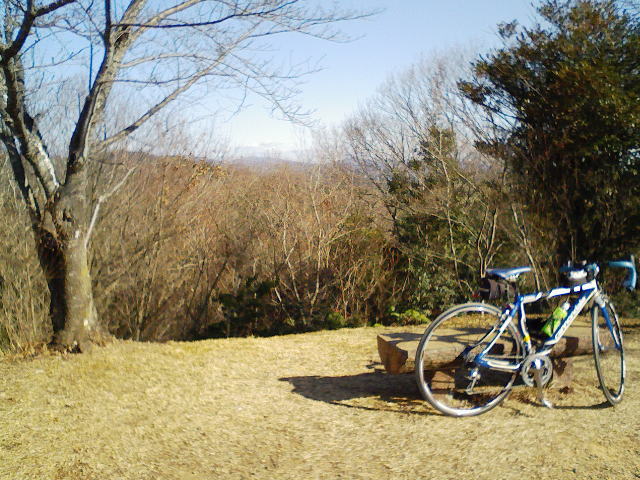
x: 564, y: 98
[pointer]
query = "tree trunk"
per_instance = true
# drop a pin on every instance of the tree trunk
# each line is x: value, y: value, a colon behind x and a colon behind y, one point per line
x: 52, y: 264
x: 81, y: 322
x: 64, y: 260
x: 72, y: 309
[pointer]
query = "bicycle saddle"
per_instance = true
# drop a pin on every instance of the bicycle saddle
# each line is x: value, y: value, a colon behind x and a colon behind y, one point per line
x: 508, y: 274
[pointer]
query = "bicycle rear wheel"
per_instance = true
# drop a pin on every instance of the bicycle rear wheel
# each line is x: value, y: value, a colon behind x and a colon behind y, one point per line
x: 447, y: 379
x: 608, y: 351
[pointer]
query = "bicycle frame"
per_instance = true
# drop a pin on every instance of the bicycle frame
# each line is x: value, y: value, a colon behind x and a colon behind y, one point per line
x: 586, y: 292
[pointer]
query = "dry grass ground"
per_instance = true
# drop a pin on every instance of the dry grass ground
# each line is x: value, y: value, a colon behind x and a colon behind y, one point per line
x: 301, y: 406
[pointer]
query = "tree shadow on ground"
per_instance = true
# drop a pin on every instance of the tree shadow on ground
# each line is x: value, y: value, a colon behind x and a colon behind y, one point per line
x: 375, y: 391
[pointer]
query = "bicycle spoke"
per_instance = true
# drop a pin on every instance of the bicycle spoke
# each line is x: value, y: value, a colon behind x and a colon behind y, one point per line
x: 447, y: 375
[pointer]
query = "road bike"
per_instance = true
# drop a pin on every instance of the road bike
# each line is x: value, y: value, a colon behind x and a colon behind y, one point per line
x: 470, y: 356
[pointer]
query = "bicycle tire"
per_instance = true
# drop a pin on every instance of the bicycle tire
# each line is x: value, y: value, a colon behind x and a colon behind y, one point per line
x: 441, y: 379
x: 608, y: 351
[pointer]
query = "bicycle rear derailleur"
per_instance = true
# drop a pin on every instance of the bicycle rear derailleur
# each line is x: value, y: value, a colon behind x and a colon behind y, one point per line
x: 537, y: 371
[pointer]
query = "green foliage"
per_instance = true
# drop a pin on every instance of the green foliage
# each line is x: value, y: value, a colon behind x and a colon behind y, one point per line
x: 246, y: 309
x: 435, y: 287
x: 563, y: 96
x: 435, y: 228
x: 411, y: 316
x: 334, y: 320
x: 627, y: 303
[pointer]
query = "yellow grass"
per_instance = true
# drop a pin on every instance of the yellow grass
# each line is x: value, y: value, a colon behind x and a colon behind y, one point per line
x: 302, y: 406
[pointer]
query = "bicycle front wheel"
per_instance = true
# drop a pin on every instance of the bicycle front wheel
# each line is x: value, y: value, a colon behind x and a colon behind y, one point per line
x: 608, y: 351
x: 446, y: 374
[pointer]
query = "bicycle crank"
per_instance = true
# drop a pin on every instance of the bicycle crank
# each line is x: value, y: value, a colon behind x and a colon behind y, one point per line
x: 537, y: 371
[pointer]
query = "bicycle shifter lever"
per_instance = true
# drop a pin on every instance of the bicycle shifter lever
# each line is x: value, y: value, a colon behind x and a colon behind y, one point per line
x: 537, y: 375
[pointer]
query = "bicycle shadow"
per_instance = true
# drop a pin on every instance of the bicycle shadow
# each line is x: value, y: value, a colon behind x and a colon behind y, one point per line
x: 373, y: 391
x: 596, y: 406
x: 530, y: 398
x: 378, y: 391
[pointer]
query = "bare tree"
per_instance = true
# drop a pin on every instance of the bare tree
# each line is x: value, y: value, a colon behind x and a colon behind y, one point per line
x: 414, y: 142
x: 161, y: 49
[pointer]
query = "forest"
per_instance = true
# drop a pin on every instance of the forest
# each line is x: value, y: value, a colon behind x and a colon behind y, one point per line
x: 528, y: 154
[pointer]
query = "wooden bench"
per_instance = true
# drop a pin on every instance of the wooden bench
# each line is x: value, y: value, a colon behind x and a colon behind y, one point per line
x: 398, y: 350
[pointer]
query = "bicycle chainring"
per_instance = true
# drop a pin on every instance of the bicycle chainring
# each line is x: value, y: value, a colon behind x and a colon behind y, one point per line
x: 529, y: 366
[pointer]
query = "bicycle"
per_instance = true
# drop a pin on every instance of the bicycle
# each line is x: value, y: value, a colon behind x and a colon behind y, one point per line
x: 470, y: 356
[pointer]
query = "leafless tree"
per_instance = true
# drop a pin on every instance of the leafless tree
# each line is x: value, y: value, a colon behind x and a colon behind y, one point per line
x: 631, y: 7
x: 415, y: 142
x: 161, y: 50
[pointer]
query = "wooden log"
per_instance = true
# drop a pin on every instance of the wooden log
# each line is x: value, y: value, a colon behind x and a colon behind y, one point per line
x: 398, y: 350
x: 562, y: 372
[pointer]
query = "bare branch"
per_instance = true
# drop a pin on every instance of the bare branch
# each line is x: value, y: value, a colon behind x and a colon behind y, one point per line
x: 93, y: 108
x: 155, y: 58
x: 23, y: 128
x: 107, y: 18
x: 52, y: 7
x: 15, y: 160
x: 30, y: 15
x: 155, y: 21
x: 152, y: 111
x: 102, y: 198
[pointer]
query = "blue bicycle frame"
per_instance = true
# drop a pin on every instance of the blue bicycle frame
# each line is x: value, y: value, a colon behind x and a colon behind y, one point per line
x: 585, y: 293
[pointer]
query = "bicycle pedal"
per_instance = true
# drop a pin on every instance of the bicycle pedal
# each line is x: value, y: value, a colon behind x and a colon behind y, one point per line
x: 545, y: 402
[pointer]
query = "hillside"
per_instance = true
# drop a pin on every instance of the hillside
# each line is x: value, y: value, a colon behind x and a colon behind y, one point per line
x: 301, y: 406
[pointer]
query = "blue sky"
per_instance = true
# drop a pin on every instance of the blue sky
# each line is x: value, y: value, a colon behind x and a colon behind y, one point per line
x: 389, y: 42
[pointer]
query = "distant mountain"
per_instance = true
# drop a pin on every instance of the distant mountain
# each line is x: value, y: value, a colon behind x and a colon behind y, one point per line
x: 264, y: 164
x: 265, y: 158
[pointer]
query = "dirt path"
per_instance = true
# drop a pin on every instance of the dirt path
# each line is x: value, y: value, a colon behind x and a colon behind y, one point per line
x: 303, y: 406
